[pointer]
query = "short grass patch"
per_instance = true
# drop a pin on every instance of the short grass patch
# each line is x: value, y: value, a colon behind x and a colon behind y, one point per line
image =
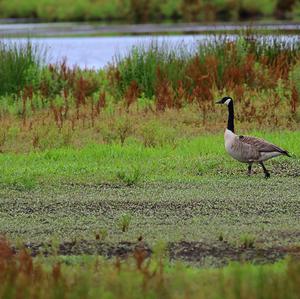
x: 132, y: 163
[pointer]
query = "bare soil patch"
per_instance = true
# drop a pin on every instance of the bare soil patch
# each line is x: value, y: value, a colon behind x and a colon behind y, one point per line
x: 200, y: 253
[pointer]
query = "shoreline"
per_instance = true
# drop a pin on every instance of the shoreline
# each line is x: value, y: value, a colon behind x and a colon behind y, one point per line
x: 95, y: 29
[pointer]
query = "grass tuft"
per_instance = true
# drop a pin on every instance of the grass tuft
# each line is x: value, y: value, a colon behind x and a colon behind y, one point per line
x: 124, y: 222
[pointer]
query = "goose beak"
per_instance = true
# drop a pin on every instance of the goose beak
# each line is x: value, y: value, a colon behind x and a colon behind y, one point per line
x: 219, y: 102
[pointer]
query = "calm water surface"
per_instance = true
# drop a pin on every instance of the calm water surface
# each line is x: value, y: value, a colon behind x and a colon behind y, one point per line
x: 98, y: 52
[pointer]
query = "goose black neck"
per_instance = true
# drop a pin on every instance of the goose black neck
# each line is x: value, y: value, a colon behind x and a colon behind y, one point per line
x: 230, y: 124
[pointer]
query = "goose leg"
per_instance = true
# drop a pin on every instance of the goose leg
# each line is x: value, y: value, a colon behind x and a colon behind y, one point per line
x: 266, y: 172
x: 249, y: 168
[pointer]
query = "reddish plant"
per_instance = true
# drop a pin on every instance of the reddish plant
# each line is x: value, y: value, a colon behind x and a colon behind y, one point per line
x: 101, y: 102
x: 131, y: 94
x: 58, y: 115
x: 294, y: 100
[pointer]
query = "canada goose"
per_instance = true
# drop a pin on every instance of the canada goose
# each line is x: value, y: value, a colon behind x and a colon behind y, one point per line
x: 248, y: 149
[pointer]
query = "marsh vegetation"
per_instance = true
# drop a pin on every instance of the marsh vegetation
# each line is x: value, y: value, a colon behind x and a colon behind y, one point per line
x: 138, y: 96
x: 113, y: 161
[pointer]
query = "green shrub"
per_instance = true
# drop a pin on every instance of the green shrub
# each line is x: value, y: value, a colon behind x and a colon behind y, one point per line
x: 264, y: 7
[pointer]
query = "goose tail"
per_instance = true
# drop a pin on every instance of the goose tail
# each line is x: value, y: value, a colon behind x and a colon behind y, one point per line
x: 286, y: 153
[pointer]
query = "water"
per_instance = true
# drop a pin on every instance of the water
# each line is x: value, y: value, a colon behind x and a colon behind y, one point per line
x: 98, y: 52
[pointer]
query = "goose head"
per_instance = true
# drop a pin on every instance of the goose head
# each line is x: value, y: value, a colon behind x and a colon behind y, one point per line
x: 225, y: 100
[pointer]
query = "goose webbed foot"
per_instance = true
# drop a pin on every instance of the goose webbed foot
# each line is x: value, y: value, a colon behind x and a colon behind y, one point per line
x: 266, y: 172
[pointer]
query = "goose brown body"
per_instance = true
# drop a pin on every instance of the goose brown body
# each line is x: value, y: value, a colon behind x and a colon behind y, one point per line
x: 248, y: 149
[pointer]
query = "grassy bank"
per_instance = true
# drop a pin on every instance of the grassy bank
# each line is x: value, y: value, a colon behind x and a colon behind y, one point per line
x: 149, y: 11
x: 91, y: 278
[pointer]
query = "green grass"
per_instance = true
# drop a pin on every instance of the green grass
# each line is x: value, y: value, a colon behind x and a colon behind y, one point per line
x: 153, y: 181
x: 189, y: 160
x: 74, y: 193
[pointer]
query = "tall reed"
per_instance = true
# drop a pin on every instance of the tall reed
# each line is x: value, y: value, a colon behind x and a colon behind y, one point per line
x: 20, y: 66
x: 194, y: 74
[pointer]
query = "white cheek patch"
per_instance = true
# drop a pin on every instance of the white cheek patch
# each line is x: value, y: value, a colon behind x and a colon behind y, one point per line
x: 227, y: 102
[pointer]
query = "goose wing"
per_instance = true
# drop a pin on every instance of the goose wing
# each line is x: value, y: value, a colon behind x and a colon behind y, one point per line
x: 262, y: 145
